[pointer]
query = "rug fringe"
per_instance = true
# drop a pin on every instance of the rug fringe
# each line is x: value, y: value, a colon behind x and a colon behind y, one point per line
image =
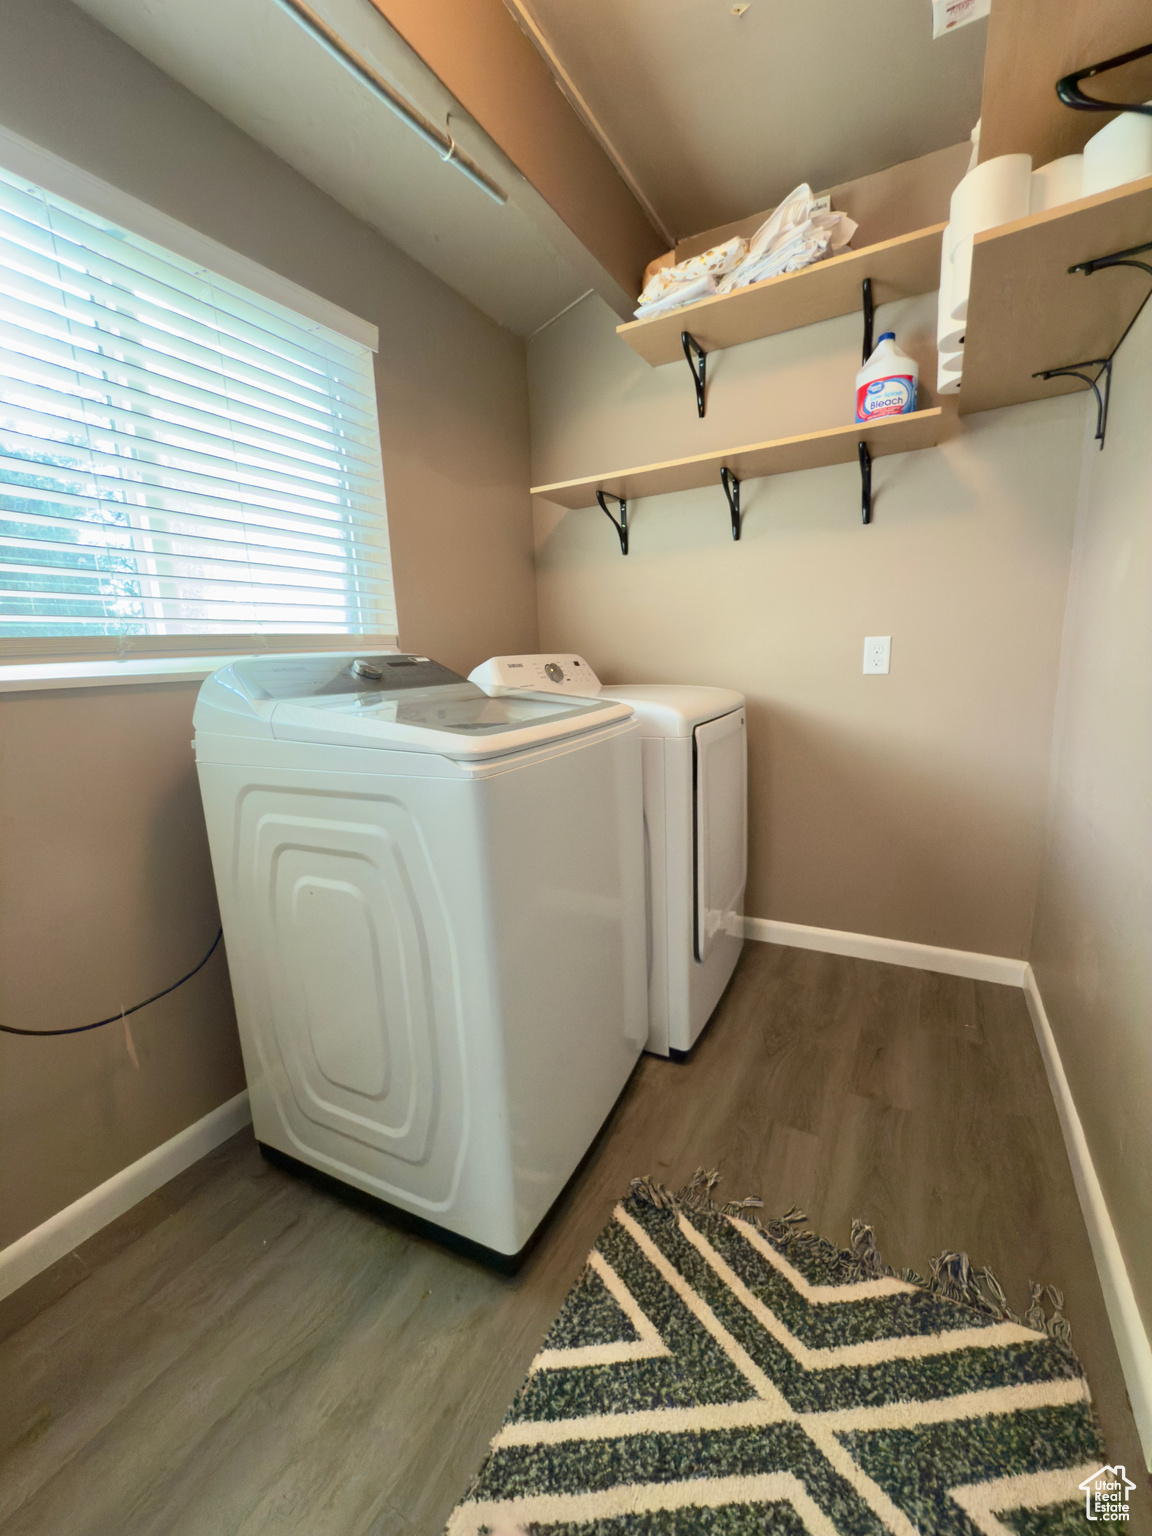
x: 953, y: 1277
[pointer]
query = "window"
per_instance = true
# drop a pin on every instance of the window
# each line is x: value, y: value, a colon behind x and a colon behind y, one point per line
x: 179, y: 455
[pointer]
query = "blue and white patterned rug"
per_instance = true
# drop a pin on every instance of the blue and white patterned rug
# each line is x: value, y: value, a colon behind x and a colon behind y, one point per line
x: 709, y: 1373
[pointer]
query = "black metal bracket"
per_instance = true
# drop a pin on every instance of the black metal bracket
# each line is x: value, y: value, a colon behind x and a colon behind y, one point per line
x: 862, y: 448
x: 1073, y: 372
x: 698, y: 365
x: 732, y: 490
x: 1117, y: 259
x: 620, y: 524
x: 1086, y: 268
x: 865, y: 482
x: 1069, y: 92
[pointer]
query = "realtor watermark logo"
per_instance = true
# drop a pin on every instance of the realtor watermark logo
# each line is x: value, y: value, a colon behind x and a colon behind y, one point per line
x: 1106, y: 1494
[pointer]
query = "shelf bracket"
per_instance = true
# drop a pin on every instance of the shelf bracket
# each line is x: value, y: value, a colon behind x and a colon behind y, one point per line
x: 1087, y: 268
x: 1069, y: 92
x: 698, y: 364
x: 865, y: 482
x: 732, y: 490
x: 1117, y: 259
x: 868, y: 317
x: 1073, y: 372
x: 620, y: 524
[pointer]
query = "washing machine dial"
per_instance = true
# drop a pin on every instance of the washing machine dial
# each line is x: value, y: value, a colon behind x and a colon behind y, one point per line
x: 367, y: 669
x: 554, y: 672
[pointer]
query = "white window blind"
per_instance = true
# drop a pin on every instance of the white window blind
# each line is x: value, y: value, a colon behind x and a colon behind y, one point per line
x: 178, y: 455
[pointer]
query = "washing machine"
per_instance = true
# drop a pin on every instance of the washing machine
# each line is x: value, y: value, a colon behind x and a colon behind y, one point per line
x: 433, y: 906
x: 695, y: 825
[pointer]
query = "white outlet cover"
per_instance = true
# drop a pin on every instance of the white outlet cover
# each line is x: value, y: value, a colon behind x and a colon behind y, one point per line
x: 877, y: 653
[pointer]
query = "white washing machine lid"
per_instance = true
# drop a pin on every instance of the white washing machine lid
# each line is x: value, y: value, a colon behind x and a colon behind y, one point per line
x: 387, y: 701
x: 672, y: 709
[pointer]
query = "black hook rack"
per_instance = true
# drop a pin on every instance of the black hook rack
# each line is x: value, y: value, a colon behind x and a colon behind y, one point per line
x: 1101, y: 264
x: 1069, y: 92
x: 620, y: 524
x: 868, y: 315
x: 732, y: 490
x: 699, y: 366
x: 865, y: 482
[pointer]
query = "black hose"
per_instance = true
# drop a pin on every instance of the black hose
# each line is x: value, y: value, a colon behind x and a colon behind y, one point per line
x: 79, y: 1029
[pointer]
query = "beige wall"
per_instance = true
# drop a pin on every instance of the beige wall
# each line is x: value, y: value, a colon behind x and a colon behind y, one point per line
x: 910, y: 805
x: 1092, y: 945
x: 104, y: 882
x: 106, y: 897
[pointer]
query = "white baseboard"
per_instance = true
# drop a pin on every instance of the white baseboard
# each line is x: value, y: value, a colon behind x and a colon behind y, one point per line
x: 36, y: 1250
x: 866, y: 946
x: 1132, y: 1342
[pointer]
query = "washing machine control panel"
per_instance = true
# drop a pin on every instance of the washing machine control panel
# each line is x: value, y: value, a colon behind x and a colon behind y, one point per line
x: 300, y: 677
x: 543, y: 674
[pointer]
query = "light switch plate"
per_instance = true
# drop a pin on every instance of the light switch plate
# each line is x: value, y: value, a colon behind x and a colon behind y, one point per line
x: 877, y: 653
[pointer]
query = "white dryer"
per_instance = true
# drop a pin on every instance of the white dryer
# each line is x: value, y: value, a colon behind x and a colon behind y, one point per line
x: 695, y: 824
x: 433, y: 904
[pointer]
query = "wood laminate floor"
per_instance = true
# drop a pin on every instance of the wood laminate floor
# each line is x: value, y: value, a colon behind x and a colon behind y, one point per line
x: 243, y: 1353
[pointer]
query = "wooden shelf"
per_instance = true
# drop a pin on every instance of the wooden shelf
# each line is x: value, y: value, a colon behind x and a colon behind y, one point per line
x: 907, y: 265
x: 1026, y: 312
x: 1032, y: 44
x: 812, y: 450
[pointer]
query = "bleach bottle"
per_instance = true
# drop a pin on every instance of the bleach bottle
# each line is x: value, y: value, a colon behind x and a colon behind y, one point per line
x: 886, y: 385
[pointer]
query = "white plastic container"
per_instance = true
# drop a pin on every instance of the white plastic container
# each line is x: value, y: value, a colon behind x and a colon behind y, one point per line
x: 886, y: 385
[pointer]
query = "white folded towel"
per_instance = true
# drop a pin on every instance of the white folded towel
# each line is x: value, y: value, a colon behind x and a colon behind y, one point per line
x: 793, y: 236
x: 683, y: 293
x: 669, y: 281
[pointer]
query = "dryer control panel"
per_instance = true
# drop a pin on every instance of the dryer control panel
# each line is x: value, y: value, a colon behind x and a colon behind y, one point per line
x: 543, y: 674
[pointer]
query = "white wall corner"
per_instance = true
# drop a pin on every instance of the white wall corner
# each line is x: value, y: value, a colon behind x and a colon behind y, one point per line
x: 1132, y: 1341
x: 865, y: 946
x: 22, y: 1260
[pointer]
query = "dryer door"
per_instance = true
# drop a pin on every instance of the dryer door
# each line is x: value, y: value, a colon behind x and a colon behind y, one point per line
x: 721, y: 773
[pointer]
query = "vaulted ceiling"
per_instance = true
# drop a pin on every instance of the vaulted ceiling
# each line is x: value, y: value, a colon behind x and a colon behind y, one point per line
x: 708, y: 115
x: 251, y: 61
x: 718, y: 115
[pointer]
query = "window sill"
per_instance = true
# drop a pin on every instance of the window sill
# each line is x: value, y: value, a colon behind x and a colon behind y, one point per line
x: 36, y: 676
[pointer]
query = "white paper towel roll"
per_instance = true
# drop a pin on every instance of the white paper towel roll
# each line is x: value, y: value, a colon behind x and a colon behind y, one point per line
x: 961, y: 279
x: 953, y: 341
x: 949, y: 332
x: 946, y: 383
x: 944, y: 321
x: 1057, y: 182
x: 1120, y: 152
x: 951, y: 362
x: 994, y: 193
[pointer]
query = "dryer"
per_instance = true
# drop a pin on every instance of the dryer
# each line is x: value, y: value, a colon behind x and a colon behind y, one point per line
x: 695, y: 826
x: 433, y: 906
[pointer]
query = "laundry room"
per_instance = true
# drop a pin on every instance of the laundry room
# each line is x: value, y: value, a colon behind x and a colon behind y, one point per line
x: 575, y: 757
